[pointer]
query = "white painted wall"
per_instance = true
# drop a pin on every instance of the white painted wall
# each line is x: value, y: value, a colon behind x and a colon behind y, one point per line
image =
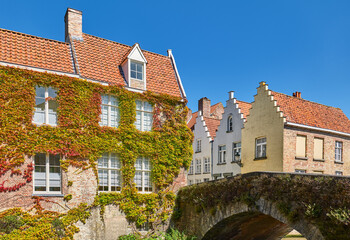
x: 200, y: 132
x: 227, y: 138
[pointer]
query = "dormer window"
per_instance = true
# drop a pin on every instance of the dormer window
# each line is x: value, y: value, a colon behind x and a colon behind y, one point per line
x: 136, y: 70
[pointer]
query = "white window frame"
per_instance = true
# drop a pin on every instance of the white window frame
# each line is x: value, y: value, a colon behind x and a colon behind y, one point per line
x: 206, y: 165
x: 221, y: 154
x: 300, y: 170
x: 190, y: 170
x: 338, y: 151
x: 46, y: 111
x: 235, y: 149
x: 198, y: 166
x: 143, y: 70
x: 339, y: 173
x: 143, y: 111
x: 143, y: 170
x: 47, y: 177
x: 109, y: 170
x: 109, y: 110
x: 229, y: 124
x: 261, y: 145
x: 190, y: 182
x: 199, y: 145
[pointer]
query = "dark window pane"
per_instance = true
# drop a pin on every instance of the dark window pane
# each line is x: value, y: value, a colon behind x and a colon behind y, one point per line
x: 40, y: 92
x: 40, y: 159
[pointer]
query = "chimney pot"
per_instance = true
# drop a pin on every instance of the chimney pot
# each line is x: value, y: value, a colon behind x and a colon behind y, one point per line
x: 231, y: 95
x: 73, y: 24
x: 297, y: 94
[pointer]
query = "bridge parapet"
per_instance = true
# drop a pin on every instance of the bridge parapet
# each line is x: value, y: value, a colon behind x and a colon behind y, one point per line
x: 266, y: 205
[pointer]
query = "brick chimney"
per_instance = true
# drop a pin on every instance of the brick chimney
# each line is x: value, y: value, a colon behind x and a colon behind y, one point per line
x: 204, y: 106
x: 297, y: 94
x: 73, y: 24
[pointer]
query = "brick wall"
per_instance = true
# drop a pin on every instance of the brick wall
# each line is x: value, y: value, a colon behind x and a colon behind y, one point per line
x: 328, y: 166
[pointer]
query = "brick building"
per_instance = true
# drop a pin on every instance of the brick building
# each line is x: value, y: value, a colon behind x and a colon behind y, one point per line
x: 290, y: 134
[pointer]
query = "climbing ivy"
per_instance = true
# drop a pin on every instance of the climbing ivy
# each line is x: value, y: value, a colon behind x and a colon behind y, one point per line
x: 80, y: 141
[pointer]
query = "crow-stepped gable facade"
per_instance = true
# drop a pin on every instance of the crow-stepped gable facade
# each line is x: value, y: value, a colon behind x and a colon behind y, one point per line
x: 90, y: 129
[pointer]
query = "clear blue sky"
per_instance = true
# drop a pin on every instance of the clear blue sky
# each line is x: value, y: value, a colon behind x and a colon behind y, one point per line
x: 293, y: 45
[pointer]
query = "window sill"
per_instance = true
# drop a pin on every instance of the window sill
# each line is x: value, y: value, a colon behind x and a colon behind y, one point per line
x: 198, y: 173
x: 260, y: 158
x: 229, y: 131
x: 47, y: 195
x: 338, y: 162
x: 301, y: 158
x: 236, y: 161
x: 190, y: 173
x: 223, y: 163
x: 318, y: 160
x: 197, y: 151
x: 206, y: 172
x: 44, y: 124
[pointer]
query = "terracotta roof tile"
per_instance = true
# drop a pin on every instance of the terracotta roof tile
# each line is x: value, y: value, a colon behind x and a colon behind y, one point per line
x: 297, y: 110
x: 24, y: 49
x: 212, y: 125
x: 245, y: 107
x: 100, y: 59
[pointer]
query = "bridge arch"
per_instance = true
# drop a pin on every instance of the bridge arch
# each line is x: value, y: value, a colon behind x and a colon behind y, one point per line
x: 242, y: 207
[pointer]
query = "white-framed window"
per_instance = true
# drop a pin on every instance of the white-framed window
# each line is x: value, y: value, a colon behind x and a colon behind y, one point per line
x: 144, y: 116
x: 136, y: 70
x: 338, y: 151
x: 190, y: 182
x: 260, y: 148
x: 109, y: 175
x: 300, y: 171
x: 229, y: 124
x: 190, y: 171
x: 199, y: 145
x: 198, y: 181
x: 222, y: 154
x: 45, y: 110
x: 236, y: 149
x: 109, y: 111
x: 339, y: 173
x: 206, y: 179
x: 47, y: 173
x: 142, y: 177
x: 198, y: 166
x: 206, y: 165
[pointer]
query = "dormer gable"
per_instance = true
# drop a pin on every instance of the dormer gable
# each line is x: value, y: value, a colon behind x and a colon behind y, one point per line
x: 134, y: 68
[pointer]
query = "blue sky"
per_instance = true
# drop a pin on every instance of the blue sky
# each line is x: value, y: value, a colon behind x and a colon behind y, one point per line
x: 293, y: 45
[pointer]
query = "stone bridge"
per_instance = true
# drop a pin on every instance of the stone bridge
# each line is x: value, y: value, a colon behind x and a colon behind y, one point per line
x: 266, y: 205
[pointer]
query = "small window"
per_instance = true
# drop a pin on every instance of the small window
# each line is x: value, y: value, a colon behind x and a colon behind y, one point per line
x: 142, y: 177
x: 318, y: 148
x: 222, y: 154
x: 109, y: 175
x: 190, y: 171
x: 236, y: 152
x: 301, y: 146
x: 338, y: 151
x: 136, y: 70
x: 260, y: 148
x: 198, y: 166
x: 144, y: 116
x: 199, y: 145
x: 206, y: 179
x: 190, y: 182
x: 45, y: 111
x: 300, y: 171
x: 47, y: 173
x: 206, y: 165
x: 198, y: 181
x: 229, y: 124
x: 339, y: 173
x: 109, y: 111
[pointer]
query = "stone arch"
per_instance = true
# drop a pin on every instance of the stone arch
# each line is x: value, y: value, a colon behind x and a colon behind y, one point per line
x: 210, y: 224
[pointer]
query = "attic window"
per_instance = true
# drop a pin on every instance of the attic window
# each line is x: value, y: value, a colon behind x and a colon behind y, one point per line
x: 136, y: 70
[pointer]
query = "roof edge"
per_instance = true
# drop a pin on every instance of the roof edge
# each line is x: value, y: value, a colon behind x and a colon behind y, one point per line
x: 317, y: 129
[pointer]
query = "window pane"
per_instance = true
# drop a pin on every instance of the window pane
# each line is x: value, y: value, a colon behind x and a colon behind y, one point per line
x: 133, y: 66
x: 103, y: 180
x: 114, y: 101
x: 138, y: 180
x: 53, y: 112
x: 115, y: 162
x: 104, y: 99
x: 138, y: 105
x: 40, y: 159
x: 147, y: 164
x: 104, y: 116
x: 52, y: 92
x: 115, y: 180
x: 138, y: 120
x: 40, y: 92
x: 139, y: 67
x: 133, y: 74
x: 147, y: 123
x: 103, y: 161
x: 138, y: 164
x: 54, y: 160
x: 114, y: 117
x: 148, y: 107
x: 139, y: 76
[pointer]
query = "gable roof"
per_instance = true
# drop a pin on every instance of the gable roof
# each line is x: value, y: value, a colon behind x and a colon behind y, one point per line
x: 27, y: 50
x: 96, y: 59
x: 212, y: 125
x: 245, y: 107
x: 301, y: 111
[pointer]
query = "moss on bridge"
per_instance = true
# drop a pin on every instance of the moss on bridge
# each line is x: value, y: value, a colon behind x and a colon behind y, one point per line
x: 323, y: 201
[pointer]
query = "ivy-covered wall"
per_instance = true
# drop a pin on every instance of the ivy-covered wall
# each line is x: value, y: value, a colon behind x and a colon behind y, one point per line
x: 80, y: 141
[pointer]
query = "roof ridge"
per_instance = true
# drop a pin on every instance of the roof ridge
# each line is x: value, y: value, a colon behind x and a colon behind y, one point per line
x: 125, y: 45
x: 244, y: 102
x: 25, y: 34
x: 306, y: 100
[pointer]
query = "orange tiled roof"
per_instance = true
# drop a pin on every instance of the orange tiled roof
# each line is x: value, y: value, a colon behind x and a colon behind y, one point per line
x: 99, y: 59
x: 212, y: 125
x: 297, y: 110
x: 24, y: 49
x: 245, y: 107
